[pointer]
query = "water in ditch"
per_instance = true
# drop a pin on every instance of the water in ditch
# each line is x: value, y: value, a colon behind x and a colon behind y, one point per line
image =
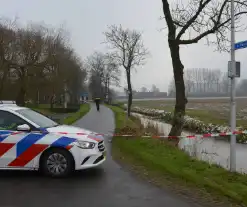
x: 207, y: 149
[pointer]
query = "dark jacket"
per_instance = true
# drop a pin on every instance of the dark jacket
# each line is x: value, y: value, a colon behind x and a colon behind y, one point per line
x: 97, y: 100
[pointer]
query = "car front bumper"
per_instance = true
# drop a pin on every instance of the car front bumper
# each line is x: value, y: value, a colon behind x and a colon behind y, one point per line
x: 89, y: 158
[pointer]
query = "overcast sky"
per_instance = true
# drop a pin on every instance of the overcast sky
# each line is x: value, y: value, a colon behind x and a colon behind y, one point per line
x: 87, y: 19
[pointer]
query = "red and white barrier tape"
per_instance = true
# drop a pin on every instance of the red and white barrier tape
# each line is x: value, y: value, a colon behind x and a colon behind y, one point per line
x: 222, y: 134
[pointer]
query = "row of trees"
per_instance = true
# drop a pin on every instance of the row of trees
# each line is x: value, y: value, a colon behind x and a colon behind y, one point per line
x: 37, y: 64
x: 153, y: 89
x: 104, y: 72
x: 203, y: 82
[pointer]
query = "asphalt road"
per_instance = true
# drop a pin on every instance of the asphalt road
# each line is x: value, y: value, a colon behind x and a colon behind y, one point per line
x: 106, y: 186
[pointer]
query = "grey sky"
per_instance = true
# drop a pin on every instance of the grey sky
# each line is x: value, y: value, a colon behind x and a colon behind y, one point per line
x: 87, y: 19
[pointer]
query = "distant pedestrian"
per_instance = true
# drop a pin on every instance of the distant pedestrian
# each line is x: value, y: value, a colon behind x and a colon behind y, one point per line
x: 97, y: 102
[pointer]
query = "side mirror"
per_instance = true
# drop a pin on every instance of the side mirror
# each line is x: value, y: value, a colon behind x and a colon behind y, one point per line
x: 24, y: 128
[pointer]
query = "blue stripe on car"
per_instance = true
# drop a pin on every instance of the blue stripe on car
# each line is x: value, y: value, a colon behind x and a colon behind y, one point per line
x: 27, y: 142
x: 63, y: 142
x: 4, y: 134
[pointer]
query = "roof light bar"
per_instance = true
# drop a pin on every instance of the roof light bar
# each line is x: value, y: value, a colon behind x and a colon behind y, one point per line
x: 7, y: 102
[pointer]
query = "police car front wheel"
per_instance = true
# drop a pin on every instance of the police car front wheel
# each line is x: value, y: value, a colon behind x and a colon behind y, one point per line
x: 57, y: 163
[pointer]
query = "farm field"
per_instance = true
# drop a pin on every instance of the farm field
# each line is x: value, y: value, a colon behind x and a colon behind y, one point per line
x: 213, y: 110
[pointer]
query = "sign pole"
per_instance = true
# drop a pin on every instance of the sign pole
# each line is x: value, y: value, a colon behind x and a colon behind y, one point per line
x: 233, y: 93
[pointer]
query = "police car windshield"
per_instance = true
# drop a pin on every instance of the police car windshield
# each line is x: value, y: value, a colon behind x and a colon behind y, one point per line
x: 37, y: 118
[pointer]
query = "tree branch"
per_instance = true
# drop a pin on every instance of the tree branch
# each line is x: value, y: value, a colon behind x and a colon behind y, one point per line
x: 210, y: 31
x: 193, y: 18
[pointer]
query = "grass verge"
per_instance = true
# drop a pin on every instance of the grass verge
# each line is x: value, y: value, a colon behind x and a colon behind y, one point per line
x: 165, y: 165
x: 72, y: 117
x: 84, y: 109
x: 120, y: 117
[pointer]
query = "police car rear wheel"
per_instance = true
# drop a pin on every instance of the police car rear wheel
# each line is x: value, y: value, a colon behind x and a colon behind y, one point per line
x: 57, y: 163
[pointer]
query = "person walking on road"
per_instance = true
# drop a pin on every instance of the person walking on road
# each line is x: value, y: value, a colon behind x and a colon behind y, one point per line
x: 97, y: 102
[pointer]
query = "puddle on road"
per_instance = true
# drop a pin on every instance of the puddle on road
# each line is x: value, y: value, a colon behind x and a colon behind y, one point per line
x: 207, y: 149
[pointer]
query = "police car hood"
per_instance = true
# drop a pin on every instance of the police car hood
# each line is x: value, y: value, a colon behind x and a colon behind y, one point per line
x: 76, y: 132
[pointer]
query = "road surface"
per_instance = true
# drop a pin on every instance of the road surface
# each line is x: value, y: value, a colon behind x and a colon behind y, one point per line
x: 106, y: 186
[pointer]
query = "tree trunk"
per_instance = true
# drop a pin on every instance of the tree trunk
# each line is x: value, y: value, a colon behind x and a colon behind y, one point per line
x: 3, y: 79
x: 129, y: 92
x: 52, y: 102
x: 2, y: 84
x: 181, y: 100
x: 20, y: 100
x: 105, y: 90
x: 52, y: 98
x: 108, y: 91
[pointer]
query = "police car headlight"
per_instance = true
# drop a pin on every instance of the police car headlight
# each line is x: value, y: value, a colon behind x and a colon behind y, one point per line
x: 85, y: 145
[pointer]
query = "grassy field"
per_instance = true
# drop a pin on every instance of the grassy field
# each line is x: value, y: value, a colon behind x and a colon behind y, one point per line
x: 214, y: 111
x: 160, y: 162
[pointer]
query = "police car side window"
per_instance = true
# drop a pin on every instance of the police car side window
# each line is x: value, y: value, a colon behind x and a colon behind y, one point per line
x: 9, y: 121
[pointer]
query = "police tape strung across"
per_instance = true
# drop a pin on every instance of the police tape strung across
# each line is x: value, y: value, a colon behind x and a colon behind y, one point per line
x: 222, y: 134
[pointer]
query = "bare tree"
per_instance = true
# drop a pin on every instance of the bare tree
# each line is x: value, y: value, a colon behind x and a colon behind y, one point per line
x: 206, y: 79
x: 188, y: 24
x: 111, y: 75
x: 7, y: 38
x: 104, y: 68
x: 95, y: 85
x: 199, y: 79
x: 130, y: 52
x: 144, y: 89
x: 28, y: 51
x: 225, y: 83
x: 155, y: 89
x: 171, y: 88
x: 97, y: 68
x: 217, y: 76
x: 188, y: 78
x: 205, y: 82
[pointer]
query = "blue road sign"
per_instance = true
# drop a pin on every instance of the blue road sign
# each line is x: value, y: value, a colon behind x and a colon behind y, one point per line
x: 240, y: 45
x: 84, y: 94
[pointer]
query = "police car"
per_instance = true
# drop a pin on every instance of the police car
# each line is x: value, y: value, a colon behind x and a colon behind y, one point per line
x: 31, y: 141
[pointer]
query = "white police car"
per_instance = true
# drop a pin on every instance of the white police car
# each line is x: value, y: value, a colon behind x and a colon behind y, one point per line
x: 31, y: 141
